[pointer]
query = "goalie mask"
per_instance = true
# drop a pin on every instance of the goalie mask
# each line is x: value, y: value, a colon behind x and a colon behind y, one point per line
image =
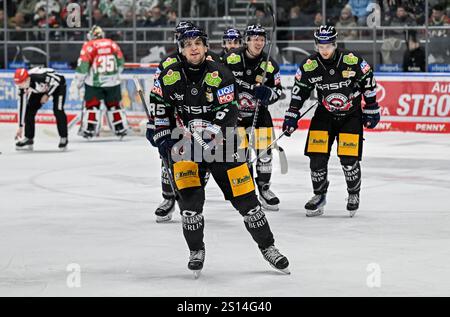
x: 95, y: 33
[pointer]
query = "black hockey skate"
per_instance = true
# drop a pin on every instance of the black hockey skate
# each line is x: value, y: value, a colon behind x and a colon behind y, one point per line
x: 277, y: 260
x: 63, y: 144
x: 165, y: 210
x: 268, y: 199
x: 87, y: 134
x: 353, y: 203
x: 25, y: 144
x: 314, y: 207
x: 196, y: 260
x: 121, y: 133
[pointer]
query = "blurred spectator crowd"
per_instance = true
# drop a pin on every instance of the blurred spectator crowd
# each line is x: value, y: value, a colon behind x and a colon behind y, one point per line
x: 163, y: 13
x: 346, y: 15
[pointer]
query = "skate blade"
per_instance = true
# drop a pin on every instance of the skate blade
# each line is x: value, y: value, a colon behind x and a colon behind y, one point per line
x: 314, y: 213
x: 167, y: 217
x: 353, y: 213
x: 63, y: 149
x: 197, y: 273
x: 284, y: 271
x: 268, y: 207
x: 28, y: 148
x: 160, y: 219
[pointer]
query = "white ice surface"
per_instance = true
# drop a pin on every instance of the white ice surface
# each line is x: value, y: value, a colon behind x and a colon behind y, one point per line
x: 93, y: 205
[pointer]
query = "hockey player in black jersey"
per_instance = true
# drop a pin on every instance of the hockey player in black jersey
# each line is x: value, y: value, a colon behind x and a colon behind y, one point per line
x: 200, y: 94
x: 341, y: 79
x: 35, y: 88
x: 165, y: 210
x: 247, y: 65
x: 231, y: 40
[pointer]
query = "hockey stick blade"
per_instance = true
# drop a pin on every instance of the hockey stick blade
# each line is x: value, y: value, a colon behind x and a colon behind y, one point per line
x: 283, y: 160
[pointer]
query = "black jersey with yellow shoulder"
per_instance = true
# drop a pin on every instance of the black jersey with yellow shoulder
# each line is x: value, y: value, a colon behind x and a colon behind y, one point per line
x: 211, y: 100
x: 340, y: 82
x: 249, y: 72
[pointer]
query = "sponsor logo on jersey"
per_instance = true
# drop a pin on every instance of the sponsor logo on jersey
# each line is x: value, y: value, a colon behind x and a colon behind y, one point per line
x: 314, y: 80
x: 336, y: 102
x: 370, y: 93
x: 157, y: 90
x: 259, y: 79
x: 226, y: 94
x: 233, y: 59
x: 213, y: 79
x: 209, y: 96
x: 334, y: 86
x: 365, y: 67
x: 298, y: 75
x: 348, y: 73
x: 310, y: 65
x: 241, y: 180
x: 198, y: 125
x: 104, y: 51
x: 238, y: 73
x: 246, y: 102
x: 178, y: 96
x: 162, y: 122
x: 157, y: 72
x: 277, y: 78
x: 196, y: 109
x: 244, y: 84
x: 350, y: 59
x: 270, y: 67
x: 171, y: 77
x: 169, y: 61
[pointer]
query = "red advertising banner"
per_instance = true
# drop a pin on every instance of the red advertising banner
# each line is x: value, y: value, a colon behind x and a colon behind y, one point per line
x: 418, y: 104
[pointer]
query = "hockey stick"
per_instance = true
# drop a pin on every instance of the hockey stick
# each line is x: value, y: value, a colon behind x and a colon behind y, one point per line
x: 283, y: 134
x: 278, y: 138
x: 166, y: 162
x: 258, y: 102
x: 282, y: 157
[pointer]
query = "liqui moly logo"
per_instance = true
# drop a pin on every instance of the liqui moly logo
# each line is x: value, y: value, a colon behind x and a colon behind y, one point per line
x: 226, y: 94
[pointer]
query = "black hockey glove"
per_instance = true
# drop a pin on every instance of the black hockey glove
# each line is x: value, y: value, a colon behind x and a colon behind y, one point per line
x: 290, y: 123
x: 263, y: 93
x: 371, y: 115
x: 164, y: 142
x: 150, y: 133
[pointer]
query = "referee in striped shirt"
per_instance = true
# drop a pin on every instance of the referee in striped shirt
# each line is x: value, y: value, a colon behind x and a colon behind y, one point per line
x: 35, y: 88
